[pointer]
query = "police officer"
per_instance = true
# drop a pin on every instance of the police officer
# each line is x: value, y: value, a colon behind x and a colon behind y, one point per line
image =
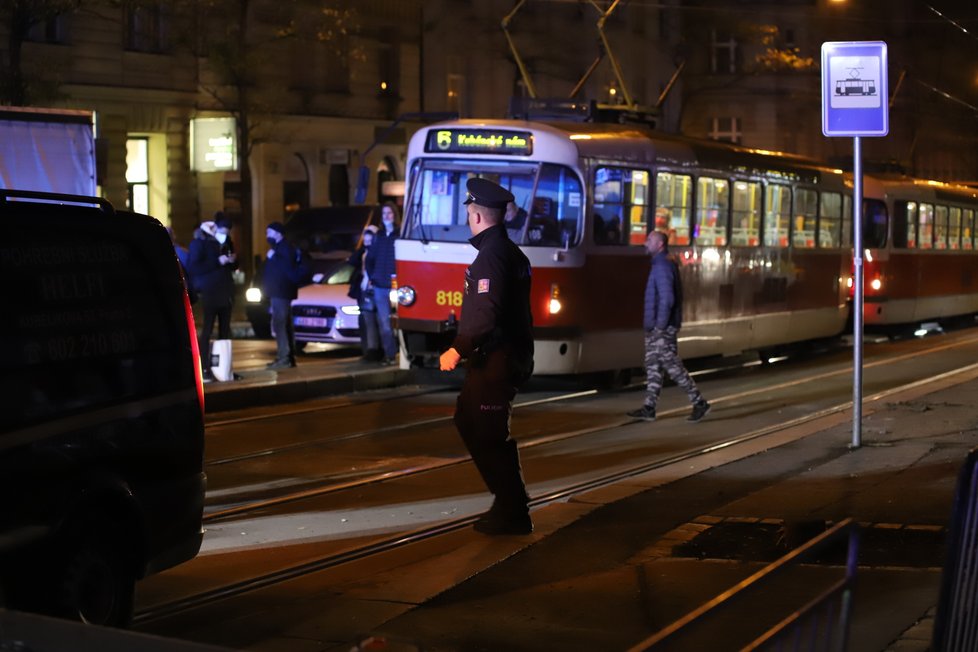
x: 495, y: 336
x: 663, y: 318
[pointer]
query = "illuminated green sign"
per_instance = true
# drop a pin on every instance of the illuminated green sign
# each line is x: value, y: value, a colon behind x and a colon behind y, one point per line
x: 479, y: 141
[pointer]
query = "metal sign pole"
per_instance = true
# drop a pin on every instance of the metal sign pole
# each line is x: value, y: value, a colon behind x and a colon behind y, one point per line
x: 857, y: 306
x: 855, y: 104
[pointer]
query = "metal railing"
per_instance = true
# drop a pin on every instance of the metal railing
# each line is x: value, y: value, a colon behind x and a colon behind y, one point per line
x: 956, y: 621
x: 820, y: 624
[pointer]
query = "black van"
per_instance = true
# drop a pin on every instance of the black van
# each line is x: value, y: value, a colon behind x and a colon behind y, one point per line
x: 101, y: 431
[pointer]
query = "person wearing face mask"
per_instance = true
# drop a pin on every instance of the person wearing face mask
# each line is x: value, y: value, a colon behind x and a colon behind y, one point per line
x: 359, y: 290
x: 282, y: 275
x: 211, y: 262
x: 380, y: 268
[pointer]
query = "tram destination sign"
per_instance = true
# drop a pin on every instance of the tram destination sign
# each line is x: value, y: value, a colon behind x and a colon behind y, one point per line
x: 855, y: 98
x: 479, y: 141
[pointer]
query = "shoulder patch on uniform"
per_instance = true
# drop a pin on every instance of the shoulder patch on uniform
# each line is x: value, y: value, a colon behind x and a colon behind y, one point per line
x: 483, y: 286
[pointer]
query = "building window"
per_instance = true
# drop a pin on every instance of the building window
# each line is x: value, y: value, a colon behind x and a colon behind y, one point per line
x: 337, y: 68
x: 723, y: 53
x: 145, y: 28
x: 455, y: 99
x: 725, y: 129
x: 137, y: 174
x: 389, y: 65
x: 50, y: 30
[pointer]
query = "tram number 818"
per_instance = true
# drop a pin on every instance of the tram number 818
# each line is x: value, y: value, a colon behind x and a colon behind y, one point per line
x: 444, y: 298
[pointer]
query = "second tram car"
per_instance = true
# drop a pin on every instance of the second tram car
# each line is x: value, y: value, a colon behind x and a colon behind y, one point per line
x: 762, y: 239
x: 921, y: 264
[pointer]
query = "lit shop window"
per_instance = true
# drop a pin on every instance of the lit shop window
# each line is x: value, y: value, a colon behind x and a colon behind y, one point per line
x: 137, y: 174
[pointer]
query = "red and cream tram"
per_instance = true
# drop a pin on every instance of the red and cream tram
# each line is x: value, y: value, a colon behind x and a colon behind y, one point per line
x: 762, y: 239
x: 921, y: 262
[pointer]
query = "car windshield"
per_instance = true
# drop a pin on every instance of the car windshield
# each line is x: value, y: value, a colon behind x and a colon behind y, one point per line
x: 340, y: 275
x: 546, y: 210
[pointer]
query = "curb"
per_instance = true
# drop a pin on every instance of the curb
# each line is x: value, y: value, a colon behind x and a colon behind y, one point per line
x: 258, y: 395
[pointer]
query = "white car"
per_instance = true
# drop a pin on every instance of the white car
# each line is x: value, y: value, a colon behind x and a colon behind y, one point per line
x: 324, y: 313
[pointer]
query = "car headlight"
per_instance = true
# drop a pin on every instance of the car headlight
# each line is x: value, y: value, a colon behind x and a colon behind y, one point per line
x: 350, y: 310
x: 406, y: 295
x: 253, y: 295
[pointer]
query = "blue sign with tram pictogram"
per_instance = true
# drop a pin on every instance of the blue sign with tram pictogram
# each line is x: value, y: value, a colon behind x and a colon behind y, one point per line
x: 855, y: 99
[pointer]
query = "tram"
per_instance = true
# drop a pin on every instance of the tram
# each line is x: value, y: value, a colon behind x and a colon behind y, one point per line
x: 921, y: 261
x: 762, y: 239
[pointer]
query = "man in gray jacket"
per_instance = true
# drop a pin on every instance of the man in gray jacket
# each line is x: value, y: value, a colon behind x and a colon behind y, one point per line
x: 663, y: 318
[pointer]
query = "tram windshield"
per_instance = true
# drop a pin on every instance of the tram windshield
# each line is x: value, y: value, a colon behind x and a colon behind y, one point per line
x: 547, y: 210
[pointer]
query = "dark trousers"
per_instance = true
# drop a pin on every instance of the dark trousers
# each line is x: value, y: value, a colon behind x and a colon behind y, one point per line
x: 482, y: 415
x: 284, y: 329
x: 212, y: 313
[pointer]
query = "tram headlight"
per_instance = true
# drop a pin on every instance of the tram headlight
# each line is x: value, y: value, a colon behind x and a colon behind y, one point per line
x: 253, y: 295
x: 406, y: 295
x: 554, y: 306
x: 849, y: 282
x: 876, y: 284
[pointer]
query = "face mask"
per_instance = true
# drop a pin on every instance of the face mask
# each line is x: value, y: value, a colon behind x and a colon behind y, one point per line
x: 271, y: 240
x: 221, y: 237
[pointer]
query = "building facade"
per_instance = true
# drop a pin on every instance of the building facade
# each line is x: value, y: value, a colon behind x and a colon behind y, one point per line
x: 317, y: 85
x: 754, y: 78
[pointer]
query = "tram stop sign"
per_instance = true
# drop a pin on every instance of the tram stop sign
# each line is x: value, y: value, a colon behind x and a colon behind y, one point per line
x: 855, y: 98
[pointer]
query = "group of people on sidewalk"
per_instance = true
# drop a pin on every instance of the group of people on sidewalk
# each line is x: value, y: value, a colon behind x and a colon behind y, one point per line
x: 210, y: 261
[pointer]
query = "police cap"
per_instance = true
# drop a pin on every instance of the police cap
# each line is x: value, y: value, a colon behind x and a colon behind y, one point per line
x: 486, y: 193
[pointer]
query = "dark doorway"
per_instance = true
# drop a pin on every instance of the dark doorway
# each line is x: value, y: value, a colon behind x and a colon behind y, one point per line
x: 339, y: 185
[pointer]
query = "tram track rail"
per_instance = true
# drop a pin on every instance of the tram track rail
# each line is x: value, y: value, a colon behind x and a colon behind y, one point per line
x: 312, y: 443
x: 331, y: 487
x: 559, y: 494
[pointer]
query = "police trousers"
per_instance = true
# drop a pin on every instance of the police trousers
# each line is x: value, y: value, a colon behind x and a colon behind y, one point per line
x: 662, y: 354
x: 482, y: 416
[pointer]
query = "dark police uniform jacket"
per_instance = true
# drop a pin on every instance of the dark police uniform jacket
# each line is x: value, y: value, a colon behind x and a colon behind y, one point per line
x: 496, y: 317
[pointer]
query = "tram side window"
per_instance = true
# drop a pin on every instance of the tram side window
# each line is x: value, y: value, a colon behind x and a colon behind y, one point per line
x: 638, y: 209
x: 555, y: 218
x: 621, y: 198
x: 746, y: 231
x: 940, y: 227
x: 954, y: 228
x: 904, y: 224
x: 673, y: 206
x: 830, y: 219
x: 777, y: 202
x: 846, y: 221
x: 967, y: 229
x: 874, y: 224
x: 925, y: 228
x: 806, y: 216
x: 712, y: 212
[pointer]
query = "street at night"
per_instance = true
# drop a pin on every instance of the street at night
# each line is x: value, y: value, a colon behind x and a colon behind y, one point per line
x: 345, y: 517
x: 527, y: 325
